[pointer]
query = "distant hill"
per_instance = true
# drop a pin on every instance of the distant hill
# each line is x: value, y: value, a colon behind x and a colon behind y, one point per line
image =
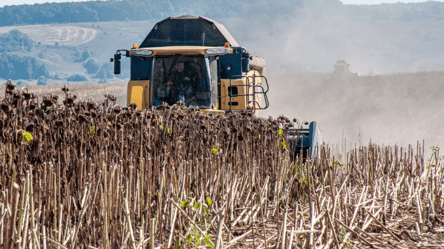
x: 136, y: 10
x: 61, y: 53
x: 293, y: 36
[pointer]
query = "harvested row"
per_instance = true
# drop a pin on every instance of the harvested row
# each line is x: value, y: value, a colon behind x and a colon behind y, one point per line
x: 88, y: 175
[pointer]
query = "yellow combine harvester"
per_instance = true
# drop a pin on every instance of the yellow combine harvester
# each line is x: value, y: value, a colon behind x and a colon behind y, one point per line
x: 195, y: 60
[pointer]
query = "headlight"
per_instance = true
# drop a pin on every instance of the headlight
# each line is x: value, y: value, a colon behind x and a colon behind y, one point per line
x: 142, y: 52
x: 218, y: 51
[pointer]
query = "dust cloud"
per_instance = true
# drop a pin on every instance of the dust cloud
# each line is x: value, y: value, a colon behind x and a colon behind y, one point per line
x: 392, y: 96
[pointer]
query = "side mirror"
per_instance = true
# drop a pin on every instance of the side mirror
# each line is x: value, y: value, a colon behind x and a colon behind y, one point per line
x: 117, y: 57
x: 116, y: 66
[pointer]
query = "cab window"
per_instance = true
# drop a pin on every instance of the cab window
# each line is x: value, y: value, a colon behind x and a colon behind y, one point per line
x: 181, y: 78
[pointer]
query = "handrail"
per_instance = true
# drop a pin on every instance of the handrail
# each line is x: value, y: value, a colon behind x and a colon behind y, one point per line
x: 248, y: 94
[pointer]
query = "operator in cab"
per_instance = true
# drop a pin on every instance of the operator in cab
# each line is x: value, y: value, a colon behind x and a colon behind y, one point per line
x: 183, y: 81
x: 181, y: 85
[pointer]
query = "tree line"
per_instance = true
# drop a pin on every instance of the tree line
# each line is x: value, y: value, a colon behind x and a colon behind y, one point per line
x: 136, y: 10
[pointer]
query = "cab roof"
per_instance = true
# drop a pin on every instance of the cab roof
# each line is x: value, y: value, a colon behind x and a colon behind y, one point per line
x: 188, y: 31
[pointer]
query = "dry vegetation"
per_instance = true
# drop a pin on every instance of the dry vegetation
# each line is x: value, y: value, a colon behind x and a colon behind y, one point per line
x: 85, y: 92
x: 88, y: 175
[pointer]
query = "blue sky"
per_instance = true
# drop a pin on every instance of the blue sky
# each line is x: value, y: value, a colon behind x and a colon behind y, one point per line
x: 17, y: 2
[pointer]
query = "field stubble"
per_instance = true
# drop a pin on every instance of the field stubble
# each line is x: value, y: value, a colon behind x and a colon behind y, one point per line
x: 88, y: 175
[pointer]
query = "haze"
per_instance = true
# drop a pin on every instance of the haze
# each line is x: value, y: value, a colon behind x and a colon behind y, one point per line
x: 392, y: 102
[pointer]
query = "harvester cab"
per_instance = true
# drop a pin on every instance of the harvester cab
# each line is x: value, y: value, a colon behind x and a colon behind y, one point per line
x: 196, y: 61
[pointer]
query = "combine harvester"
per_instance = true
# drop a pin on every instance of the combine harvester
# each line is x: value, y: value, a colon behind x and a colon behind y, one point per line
x: 195, y: 60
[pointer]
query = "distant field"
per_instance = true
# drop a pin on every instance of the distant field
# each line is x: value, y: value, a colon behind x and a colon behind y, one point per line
x: 101, y: 40
x: 50, y: 34
x: 95, y: 92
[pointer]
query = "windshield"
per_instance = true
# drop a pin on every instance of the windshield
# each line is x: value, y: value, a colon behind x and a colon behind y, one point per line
x: 181, y: 78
